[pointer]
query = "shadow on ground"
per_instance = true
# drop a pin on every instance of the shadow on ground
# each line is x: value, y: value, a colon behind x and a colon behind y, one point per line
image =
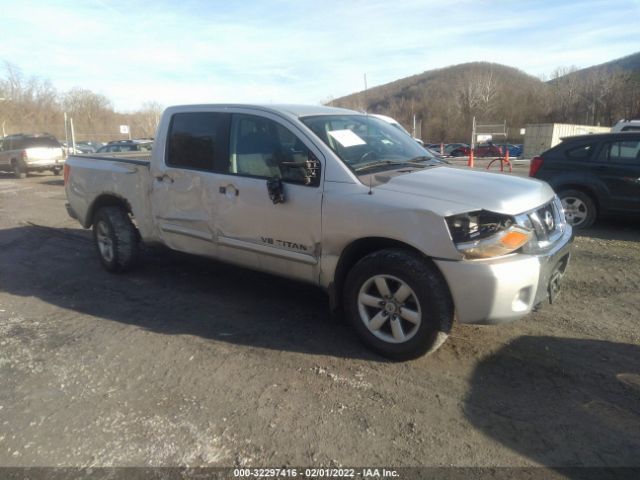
x: 173, y: 293
x: 561, y: 401
x: 614, y: 228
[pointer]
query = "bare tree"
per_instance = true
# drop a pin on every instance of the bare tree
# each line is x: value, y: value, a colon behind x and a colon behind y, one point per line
x: 145, y: 121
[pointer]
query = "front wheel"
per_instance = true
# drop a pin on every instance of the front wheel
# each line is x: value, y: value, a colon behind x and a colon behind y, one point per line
x: 579, y: 208
x: 116, y: 239
x: 399, y: 304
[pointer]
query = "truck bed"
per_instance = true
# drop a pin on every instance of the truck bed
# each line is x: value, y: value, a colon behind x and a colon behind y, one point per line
x: 124, y: 175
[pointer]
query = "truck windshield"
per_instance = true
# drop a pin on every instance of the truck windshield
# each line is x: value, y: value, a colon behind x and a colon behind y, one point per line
x: 363, y: 141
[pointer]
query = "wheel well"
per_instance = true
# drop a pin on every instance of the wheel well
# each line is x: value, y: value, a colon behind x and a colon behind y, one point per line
x: 109, y: 200
x: 352, y: 254
x: 584, y: 189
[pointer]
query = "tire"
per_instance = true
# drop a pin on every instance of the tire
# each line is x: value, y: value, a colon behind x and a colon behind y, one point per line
x: 57, y: 171
x: 579, y: 208
x: 416, y: 295
x: 19, y: 169
x: 116, y: 239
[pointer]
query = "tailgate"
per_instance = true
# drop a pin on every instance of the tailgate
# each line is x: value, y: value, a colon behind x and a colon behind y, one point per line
x: 45, y: 154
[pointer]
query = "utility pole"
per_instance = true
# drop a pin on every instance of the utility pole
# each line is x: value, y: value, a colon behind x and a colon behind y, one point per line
x: 364, y: 94
x: 73, y: 136
x: 66, y: 130
x: 473, y: 134
x: 2, y: 99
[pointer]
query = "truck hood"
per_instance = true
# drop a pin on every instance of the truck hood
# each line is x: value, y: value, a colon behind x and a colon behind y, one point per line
x: 472, y: 190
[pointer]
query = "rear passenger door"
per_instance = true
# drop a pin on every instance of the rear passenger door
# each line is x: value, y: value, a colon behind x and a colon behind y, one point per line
x: 184, y: 193
x: 619, y: 168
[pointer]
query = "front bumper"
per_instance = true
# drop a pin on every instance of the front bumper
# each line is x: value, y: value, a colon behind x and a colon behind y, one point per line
x: 501, y: 290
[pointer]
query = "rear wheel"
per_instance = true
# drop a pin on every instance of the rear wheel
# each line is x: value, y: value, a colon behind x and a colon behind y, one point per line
x: 579, y: 208
x: 19, y: 169
x: 116, y: 239
x: 399, y: 304
x: 57, y: 170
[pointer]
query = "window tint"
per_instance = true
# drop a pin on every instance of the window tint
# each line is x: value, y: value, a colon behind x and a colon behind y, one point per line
x: 625, y: 152
x: 263, y: 148
x: 15, y: 143
x: 583, y: 152
x: 40, y: 142
x: 197, y: 140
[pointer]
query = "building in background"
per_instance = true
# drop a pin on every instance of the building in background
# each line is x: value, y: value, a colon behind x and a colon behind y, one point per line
x: 542, y: 136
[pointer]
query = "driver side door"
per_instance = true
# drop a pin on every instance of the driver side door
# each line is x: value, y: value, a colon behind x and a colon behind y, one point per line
x: 252, y: 230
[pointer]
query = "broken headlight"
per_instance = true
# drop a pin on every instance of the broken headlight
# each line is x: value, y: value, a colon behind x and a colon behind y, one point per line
x: 483, y: 234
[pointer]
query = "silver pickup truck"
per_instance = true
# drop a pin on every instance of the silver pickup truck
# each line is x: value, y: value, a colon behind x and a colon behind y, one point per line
x: 402, y: 242
x: 23, y: 153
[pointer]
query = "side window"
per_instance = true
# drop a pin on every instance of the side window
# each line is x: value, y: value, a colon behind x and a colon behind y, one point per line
x: 626, y: 152
x: 583, y: 152
x: 16, y: 144
x: 263, y: 148
x: 197, y: 140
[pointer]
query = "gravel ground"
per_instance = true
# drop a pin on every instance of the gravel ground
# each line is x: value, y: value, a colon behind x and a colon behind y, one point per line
x: 189, y: 362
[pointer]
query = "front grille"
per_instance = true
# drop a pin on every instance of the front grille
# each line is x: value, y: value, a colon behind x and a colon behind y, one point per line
x: 548, y: 223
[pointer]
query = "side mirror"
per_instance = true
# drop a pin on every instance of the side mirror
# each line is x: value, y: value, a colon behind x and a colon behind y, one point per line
x: 306, y: 171
x: 311, y: 167
x: 276, y: 190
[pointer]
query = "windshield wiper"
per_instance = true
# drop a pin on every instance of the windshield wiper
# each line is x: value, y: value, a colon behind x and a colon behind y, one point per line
x: 423, y: 158
x: 387, y: 163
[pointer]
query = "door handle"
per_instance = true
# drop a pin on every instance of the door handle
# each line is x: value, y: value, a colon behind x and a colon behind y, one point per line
x: 223, y: 190
x: 162, y: 177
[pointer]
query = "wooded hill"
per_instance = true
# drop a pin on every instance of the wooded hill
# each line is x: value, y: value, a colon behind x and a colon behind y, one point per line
x: 445, y: 100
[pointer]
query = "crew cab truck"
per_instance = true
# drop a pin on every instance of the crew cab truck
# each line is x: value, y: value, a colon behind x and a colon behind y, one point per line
x: 402, y: 242
x: 23, y: 153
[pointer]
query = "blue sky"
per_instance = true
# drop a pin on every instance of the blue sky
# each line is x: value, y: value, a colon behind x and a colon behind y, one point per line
x: 288, y: 51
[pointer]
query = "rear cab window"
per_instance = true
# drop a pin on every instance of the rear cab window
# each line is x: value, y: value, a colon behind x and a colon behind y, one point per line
x: 198, y: 140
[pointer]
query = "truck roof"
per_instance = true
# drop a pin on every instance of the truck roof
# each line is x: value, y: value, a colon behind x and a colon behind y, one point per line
x: 286, y: 109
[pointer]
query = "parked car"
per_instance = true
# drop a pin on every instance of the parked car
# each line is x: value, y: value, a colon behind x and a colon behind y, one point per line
x: 335, y: 198
x: 626, y: 126
x: 487, y: 150
x: 88, y: 146
x: 461, y: 151
x: 594, y: 175
x: 23, y: 153
x: 515, y: 151
x: 449, y: 148
x: 482, y: 150
x: 80, y: 147
x: 126, y: 146
x: 434, y: 146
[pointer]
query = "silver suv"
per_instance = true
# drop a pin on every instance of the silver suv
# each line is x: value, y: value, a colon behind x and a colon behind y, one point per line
x: 23, y: 153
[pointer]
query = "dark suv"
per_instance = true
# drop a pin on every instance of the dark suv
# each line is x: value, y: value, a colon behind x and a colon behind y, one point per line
x: 593, y: 175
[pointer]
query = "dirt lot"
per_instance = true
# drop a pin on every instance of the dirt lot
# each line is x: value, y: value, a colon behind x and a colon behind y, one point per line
x: 191, y: 362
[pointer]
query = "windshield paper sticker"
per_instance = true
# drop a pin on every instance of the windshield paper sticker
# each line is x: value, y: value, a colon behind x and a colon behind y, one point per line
x: 347, y: 138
